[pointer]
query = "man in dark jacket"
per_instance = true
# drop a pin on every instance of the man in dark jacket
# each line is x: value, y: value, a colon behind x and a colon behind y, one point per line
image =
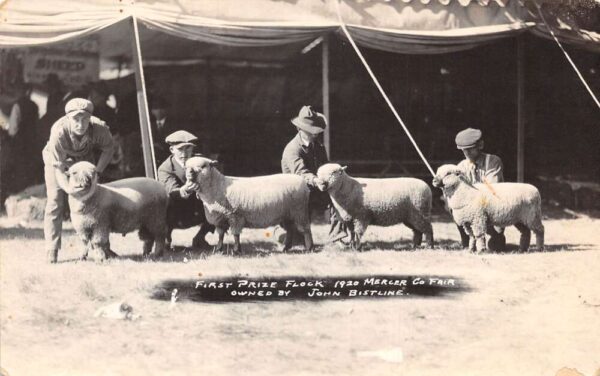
x: 303, y: 156
x: 185, y: 209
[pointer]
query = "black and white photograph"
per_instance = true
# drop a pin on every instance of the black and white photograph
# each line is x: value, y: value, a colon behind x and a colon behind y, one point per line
x: 300, y: 187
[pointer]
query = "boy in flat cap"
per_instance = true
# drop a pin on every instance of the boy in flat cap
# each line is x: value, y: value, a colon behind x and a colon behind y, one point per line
x: 75, y: 137
x: 185, y: 209
x: 303, y: 156
x: 480, y: 167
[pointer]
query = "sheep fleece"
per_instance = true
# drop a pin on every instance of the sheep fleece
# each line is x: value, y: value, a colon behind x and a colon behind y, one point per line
x: 123, y: 206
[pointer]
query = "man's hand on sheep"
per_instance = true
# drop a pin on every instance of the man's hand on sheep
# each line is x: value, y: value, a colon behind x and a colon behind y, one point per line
x: 320, y: 184
x: 188, y: 188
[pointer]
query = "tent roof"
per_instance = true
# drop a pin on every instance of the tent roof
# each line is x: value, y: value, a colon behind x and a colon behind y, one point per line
x: 279, y: 27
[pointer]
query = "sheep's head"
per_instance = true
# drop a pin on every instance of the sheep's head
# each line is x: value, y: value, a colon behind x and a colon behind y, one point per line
x: 198, y: 169
x: 83, y: 179
x: 330, y: 174
x: 447, y: 176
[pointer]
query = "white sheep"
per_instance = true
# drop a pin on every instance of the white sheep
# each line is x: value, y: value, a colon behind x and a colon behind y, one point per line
x: 382, y: 202
x: 476, y: 206
x: 256, y: 202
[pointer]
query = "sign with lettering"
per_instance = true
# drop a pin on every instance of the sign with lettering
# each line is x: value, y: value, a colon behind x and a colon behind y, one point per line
x: 75, y: 63
x: 302, y: 288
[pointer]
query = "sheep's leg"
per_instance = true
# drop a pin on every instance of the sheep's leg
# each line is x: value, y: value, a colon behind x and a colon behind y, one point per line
x: 308, y: 240
x: 86, y: 238
x: 289, y: 229
x: 147, y: 238
x: 419, y: 226
x: 359, y: 230
x: 538, y: 229
x: 219, y: 247
x: 237, y: 247
x: 478, y: 227
x: 101, y: 245
x: 472, y: 241
x: 525, y: 237
x: 169, y: 237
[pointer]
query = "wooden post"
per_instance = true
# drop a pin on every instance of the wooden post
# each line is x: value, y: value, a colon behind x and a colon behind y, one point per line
x: 325, y: 79
x: 142, y: 100
x: 520, y: 111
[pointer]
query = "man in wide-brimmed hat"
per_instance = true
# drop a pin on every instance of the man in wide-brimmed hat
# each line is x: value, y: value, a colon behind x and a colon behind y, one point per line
x: 303, y: 156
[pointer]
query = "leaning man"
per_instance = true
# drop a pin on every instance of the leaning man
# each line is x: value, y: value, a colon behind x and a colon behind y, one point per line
x: 303, y: 156
x: 77, y: 136
x: 484, y: 168
x: 185, y: 209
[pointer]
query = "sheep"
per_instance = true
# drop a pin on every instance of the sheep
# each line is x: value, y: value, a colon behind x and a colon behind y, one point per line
x: 476, y: 206
x: 121, y: 206
x: 255, y: 202
x: 383, y: 202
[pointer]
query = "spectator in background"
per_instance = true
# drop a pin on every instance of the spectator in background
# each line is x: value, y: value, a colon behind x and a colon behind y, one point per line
x: 21, y: 130
x: 161, y: 126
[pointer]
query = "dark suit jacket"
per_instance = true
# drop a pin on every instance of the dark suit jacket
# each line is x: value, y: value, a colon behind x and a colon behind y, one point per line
x: 182, y: 212
x: 304, y: 160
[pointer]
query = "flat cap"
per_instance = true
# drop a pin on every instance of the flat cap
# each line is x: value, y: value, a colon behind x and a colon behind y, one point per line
x: 79, y: 105
x: 467, y: 138
x: 180, y: 138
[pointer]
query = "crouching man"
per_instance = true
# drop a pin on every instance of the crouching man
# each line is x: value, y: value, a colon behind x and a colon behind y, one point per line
x: 75, y: 137
x: 185, y: 209
x: 484, y: 168
x: 303, y: 156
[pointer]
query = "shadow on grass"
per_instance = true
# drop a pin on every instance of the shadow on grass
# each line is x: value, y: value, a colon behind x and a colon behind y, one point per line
x: 249, y: 250
x: 561, y: 247
x: 406, y: 245
x: 26, y: 233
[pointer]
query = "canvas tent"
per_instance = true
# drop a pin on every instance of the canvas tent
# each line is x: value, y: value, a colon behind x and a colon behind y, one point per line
x: 399, y: 26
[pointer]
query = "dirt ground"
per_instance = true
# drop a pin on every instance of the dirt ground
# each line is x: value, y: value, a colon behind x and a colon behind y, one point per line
x: 526, y: 314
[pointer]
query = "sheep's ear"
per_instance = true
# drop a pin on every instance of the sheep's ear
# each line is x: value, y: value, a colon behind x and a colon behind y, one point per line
x: 213, y: 162
x: 343, y: 168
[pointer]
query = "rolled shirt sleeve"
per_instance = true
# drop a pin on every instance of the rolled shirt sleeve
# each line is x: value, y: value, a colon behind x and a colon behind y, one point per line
x: 494, y: 170
x: 104, y: 142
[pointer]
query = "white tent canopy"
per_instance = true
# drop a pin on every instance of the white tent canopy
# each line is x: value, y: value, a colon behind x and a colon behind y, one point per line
x: 400, y: 26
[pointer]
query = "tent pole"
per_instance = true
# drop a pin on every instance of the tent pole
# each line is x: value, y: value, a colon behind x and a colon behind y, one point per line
x: 325, y: 81
x: 520, y: 111
x: 142, y: 100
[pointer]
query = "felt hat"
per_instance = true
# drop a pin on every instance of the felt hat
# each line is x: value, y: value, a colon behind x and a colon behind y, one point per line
x: 310, y: 121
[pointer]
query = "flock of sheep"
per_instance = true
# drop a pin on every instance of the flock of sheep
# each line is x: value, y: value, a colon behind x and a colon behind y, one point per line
x: 233, y: 203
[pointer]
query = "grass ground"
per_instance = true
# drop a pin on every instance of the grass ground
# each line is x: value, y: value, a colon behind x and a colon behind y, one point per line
x: 527, y: 314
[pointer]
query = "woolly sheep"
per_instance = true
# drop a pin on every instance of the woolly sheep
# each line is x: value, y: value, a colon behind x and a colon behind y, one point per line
x: 120, y: 206
x: 383, y: 202
x: 255, y: 202
x: 500, y: 204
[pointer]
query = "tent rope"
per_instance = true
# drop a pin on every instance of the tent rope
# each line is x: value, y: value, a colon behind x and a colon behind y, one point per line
x: 567, y: 55
x: 145, y: 95
x: 376, y: 81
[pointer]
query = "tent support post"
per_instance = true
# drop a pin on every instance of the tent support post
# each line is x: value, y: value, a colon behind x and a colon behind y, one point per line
x: 142, y: 100
x: 325, y: 79
x: 520, y: 111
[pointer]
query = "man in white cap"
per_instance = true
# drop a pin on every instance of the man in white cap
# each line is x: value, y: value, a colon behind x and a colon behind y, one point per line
x: 480, y: 167
x: 75, y: 137
x: 303, y: 156
x: 185, y: 209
